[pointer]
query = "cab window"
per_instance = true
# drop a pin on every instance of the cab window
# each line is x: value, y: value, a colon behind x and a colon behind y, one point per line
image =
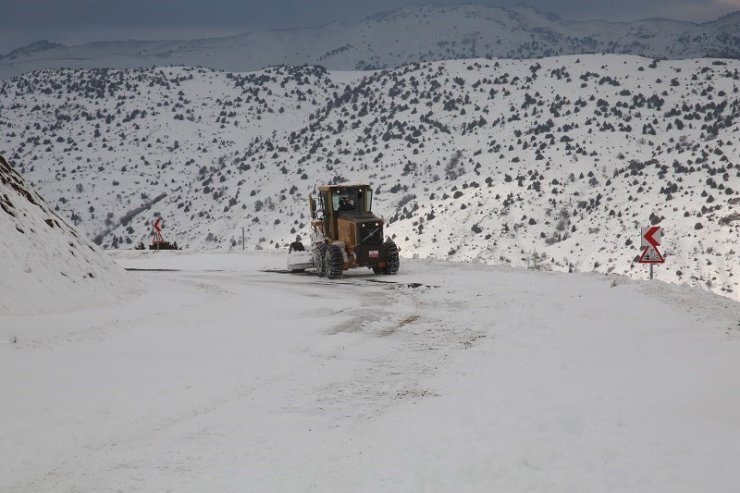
x: 345, y: 200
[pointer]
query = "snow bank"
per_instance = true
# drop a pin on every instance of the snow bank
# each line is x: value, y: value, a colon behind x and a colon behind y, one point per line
x: 45, y: 264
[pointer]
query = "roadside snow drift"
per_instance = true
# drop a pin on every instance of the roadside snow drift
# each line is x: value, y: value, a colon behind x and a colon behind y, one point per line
x: 45, y: 264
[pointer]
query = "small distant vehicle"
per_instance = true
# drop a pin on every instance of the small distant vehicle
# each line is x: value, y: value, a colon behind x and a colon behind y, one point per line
x: 345, y: 234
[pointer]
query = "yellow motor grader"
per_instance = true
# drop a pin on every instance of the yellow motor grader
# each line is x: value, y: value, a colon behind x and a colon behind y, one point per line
x: 345, y: 234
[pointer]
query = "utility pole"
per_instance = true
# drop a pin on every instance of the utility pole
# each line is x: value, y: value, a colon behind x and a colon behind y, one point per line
x: 243, y: 247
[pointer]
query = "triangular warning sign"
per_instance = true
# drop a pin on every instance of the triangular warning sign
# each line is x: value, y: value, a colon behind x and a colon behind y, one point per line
x: 651, y: 255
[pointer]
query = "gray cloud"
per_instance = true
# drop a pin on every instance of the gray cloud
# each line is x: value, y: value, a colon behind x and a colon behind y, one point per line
x: 75, y: 21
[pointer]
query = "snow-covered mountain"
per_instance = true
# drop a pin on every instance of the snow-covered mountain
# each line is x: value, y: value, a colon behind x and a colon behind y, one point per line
x: 551, y: 163
x: 45, y: 263
x: 395, y: 38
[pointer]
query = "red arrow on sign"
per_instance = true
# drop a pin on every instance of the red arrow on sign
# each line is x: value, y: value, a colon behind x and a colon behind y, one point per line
x: 649, y: 236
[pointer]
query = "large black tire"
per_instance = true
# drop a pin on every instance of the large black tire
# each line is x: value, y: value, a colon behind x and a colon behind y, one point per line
x: 390, y: 254
x: 320, y: 267
x: 333, y: 262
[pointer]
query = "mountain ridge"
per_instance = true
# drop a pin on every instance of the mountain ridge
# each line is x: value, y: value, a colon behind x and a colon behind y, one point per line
x: 394, y: 38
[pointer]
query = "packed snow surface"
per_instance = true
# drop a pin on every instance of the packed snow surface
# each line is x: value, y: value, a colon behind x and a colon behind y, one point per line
x: 219, y: 377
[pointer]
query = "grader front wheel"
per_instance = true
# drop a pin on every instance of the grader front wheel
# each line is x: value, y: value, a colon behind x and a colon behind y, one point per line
x: 392, y: 262
x: 320, y: 265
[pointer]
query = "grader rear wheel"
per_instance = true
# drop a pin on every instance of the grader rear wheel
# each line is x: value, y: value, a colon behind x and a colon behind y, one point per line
x: 333, y: 262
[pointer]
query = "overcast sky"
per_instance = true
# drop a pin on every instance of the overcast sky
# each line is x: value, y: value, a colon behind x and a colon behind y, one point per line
x: 76, y: 21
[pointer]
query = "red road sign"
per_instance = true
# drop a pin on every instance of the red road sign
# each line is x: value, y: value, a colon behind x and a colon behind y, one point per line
x: 157, y: 231
x: 651, y: 237
x: 651, y: 255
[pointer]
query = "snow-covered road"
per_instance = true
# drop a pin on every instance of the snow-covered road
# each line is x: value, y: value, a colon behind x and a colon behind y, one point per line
x: 218, y: 377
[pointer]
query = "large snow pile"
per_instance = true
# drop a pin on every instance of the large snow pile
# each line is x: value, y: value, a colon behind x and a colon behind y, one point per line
x: 46, y: 264
x: 406, y: 35
x: 551, y: 163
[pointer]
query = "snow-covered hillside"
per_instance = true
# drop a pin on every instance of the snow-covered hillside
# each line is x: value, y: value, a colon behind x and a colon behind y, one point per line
x: 398, y: 37
x: 47, y: 265
x: 552, y: 163
x: 219, y: 377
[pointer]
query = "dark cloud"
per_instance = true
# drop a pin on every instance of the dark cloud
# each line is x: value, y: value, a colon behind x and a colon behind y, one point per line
x: 82, y: 20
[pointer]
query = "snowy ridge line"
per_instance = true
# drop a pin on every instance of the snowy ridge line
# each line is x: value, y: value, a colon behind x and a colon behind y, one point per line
x: 552, y: 163
x: 399, y: 37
